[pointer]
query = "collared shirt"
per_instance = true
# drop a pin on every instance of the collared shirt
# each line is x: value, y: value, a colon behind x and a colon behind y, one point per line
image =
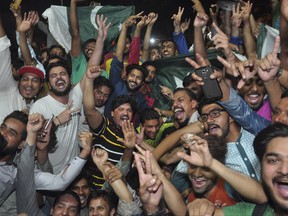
x: 235, y: 160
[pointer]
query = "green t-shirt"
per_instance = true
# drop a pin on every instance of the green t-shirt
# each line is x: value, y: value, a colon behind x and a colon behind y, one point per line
x: 79, y: 65
x: 158, y: 138
x: 245, y: 209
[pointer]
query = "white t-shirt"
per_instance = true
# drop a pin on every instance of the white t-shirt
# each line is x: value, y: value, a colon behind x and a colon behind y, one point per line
x: 67, y: 134
x: 10, y: 98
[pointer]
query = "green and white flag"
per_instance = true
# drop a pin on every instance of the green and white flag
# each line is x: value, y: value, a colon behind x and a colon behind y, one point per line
x: 58, y: 21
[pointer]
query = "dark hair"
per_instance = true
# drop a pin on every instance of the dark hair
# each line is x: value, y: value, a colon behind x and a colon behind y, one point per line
x: 51, y: 57
x: 53, y: 139
x: 81, y: 176
x: 122, y: 99
x: 57, y: 64
x: 203, y: 103
x: 149, y: 114
x: 73, y: 194
x: 188, y: 91
x: 97, y: 194
x: 143, y: 70
x: 187, y: 80
x: 149, y: 63
x: 284, y: 94
x: 169, y: 40
x: 266, y: 135
x: 217, y: 148
x: 43, y: 51
x: 102, y: 81
x: 91, y: 40
x: 20, y: 116
x: 17, y: 63
x: 57, y: 46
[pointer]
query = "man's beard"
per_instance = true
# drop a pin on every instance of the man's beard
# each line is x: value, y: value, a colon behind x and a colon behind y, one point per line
x: 134, y: 89
x: 59, y: 93
x: 4, y: 150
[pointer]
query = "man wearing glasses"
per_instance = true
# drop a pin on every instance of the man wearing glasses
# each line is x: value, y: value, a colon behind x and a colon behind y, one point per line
x: 240, y: 154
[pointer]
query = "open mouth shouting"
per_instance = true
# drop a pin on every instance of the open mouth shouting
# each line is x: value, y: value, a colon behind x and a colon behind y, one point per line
x: 213, y: 128
x: 281, y: 185
x: 61, y: 84
x: 179, y: 114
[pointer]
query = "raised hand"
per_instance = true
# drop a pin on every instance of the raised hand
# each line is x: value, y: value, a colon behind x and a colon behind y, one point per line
x: 201, y: 20
x: 151, y: 189
x: 199, y: 152
x: 43, y: 137
x: 152, y: 18
x: 128, y: 130
x: 198, y: 6
x: 15, y: 10
x: 103, y: 27
x: 236, y: 18
x: 85, y: 139
x: 166, y: 92
x: 66, y: 115
x: 93, y: 71
x: 221, y: 41
x: 269, y: 65
x: 143, y: 22
x: 177, y: 20
x: 201, y: 62
x: 27, y: 22
x: 35, y: 123
x: 201, y: 207
x: 246, y: 69
x: 155, y: 168
x: 140, y: 136
x: 246, y: 10
x: 132, y: 19
x: 185, y: 25
x: 214, y: 10
x: 99, y: 157
x: 35, y: 18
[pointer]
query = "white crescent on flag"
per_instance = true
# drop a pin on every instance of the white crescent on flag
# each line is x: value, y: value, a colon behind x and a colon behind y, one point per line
x: 94, y: 15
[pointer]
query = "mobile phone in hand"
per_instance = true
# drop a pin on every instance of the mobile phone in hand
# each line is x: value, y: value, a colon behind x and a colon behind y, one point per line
x: 211, y: 89
x: 48, y: 122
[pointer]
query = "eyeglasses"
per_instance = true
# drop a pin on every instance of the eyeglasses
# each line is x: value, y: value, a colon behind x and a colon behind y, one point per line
x: 213, y: 114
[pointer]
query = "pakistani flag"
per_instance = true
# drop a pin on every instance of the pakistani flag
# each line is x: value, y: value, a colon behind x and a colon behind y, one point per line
x: 58, y: 21
x: 171, y: 71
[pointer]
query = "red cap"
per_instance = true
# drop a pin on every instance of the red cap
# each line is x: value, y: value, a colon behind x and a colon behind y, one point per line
x: 33, y: 70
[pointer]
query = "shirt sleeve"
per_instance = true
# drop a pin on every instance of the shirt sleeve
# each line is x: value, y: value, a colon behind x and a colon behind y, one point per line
x: 25, y: 185
x: 134, y: 51
x: 180, y: 40
x: 48, y: 181
x: 115, y: 71
x: 243, y: 114
x: 6, y: 79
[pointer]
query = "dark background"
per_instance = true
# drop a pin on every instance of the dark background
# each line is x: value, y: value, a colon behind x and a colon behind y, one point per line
x: 163, y: 28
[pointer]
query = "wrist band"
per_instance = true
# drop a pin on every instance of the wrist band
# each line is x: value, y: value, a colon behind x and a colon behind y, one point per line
x: 235, y: 40
x: 58, y: 120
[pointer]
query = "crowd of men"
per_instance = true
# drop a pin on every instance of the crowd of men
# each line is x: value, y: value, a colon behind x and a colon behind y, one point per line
x: 95, y: 132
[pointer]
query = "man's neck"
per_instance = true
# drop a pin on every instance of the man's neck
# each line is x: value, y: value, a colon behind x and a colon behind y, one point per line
x: 234, y: 133
x: 62, y: 99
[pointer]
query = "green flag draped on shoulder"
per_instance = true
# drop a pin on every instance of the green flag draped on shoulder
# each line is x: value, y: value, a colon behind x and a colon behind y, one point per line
x: 58, y: 21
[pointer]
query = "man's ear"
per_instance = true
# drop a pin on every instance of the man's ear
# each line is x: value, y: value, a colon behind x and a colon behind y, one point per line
x: 21, y: 145
x: 112, y: 212
x: 112, y: 113
x: 194, y: 104
x: 231, y: 120
x: 49, y: 86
